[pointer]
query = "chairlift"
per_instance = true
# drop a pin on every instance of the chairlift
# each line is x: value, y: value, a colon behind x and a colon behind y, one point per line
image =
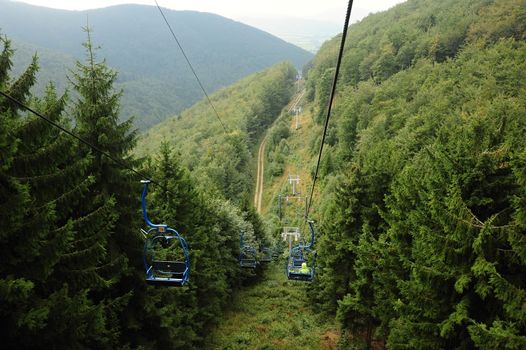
x: 166, y: 257
x: 266, y: 254
x: 301, y: 264
x: 247, y: 254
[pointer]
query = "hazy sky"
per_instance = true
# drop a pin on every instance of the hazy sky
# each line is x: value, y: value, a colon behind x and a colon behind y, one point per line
x: 306, y: 23
x: 325, y: 10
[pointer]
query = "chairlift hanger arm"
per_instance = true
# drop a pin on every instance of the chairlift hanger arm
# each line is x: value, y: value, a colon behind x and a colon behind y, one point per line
x: 143, y: 204
x: 311, y: 225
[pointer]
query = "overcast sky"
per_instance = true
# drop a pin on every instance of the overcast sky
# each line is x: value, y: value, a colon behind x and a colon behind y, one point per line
x: 306, y: 23
x: 325, y: 10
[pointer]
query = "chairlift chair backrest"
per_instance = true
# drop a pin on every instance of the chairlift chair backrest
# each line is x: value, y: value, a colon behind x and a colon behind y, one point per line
x: 163, y: 240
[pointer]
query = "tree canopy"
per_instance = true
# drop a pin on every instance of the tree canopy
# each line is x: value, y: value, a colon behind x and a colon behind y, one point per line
x: 422, y: 216
x: 72, y: 274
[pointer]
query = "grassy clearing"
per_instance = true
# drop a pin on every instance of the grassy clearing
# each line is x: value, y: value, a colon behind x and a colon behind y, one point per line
x: 273, y: 314
x: 300, y: 161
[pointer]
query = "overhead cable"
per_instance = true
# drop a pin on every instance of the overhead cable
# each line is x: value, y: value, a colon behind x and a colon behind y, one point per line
x: 329, y: 106
x: 190, y: 65
x: 87, y: 143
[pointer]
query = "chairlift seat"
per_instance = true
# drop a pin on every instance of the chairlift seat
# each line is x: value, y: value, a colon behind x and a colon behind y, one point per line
x: 165, y: 281
x: 267, y: 255
x: 167, y: 273
x: 297, y: 262
x: 300, y: 276
x: 249, y: 263
x: 163, y: 272
x: 300, y: 254
x: 247, y: 254
x: 169, y: 267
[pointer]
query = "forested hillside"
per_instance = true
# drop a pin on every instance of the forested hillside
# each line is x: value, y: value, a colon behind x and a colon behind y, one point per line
x: 422, y: 201
x: 155, y: 78
x: 222, y: 159
x: 420, y: 204
x: 72, y: 272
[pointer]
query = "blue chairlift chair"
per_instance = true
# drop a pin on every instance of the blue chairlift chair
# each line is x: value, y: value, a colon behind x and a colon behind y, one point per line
x: 301, y: 264
x: 166, y: 257
x: 266, y: 254
x: 247, y: 254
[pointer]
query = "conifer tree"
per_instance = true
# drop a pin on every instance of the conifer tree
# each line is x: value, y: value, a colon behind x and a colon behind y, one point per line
x: 422, y: 239
x: 211, y: 227
x: 16, y: 290
x: 114, y: 193
x: 42, y: 308
x: 174, y: 201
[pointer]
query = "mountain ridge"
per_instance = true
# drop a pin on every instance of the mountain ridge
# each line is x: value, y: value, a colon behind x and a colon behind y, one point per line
x: 134, y: 40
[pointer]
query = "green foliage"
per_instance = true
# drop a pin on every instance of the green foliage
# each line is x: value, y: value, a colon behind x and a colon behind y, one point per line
x: 422, y: 200
x: 421, y: 225
x: 500, y: 19
x: 211, y: 227
x: 270, y: 315
x: 383, y: 44
x: 222, y: 160
x: 54, y: 253
x: 277, y: 147
x: 323, y: 91
x: 72, y: 273
x: 153, y: 73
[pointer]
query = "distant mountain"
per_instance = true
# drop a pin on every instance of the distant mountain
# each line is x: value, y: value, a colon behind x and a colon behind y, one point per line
x: 135, y: 41
x: 306, y: 33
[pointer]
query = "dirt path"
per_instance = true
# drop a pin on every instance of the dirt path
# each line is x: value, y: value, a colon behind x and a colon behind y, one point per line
x: 260, y: 175
x: 258, y: 195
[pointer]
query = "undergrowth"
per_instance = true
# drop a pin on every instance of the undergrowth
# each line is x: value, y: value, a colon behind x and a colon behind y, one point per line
x: 273, y: 314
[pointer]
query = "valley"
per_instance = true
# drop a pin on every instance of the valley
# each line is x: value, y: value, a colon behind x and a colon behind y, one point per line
x: 417, y: 217
x: 153, y: 74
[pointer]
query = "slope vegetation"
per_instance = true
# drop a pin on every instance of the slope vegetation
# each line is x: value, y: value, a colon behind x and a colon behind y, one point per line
x: 274, y: 314
x: 221, y: 158
x: 73, y: 272
x: 153, y: 73
x: 421, y: 200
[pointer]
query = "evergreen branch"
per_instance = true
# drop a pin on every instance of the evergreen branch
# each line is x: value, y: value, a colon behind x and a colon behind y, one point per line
x: 95, y: 148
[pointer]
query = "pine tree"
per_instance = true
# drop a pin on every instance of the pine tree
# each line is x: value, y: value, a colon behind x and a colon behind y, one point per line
x: 16, y: 291
x: 109, y: 214
x: 41, y: 308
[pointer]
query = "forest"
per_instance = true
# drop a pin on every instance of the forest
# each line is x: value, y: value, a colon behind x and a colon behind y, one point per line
x: 425, y: 191
x: 419, y: 209
x: 134, y: 40
x: 222, y: 158
x: 70, y: 242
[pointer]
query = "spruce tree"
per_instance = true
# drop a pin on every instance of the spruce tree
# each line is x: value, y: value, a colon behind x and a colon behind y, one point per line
x: 211, y: 226
x: 114, y: 193
x: 41, y: 308
x: 16, y: 290
x: 175, y: 201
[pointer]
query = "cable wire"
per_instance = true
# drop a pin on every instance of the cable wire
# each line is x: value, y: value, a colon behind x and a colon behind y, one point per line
x: 329, y: 107
x: 87, y: 143
x: 190, y: 65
